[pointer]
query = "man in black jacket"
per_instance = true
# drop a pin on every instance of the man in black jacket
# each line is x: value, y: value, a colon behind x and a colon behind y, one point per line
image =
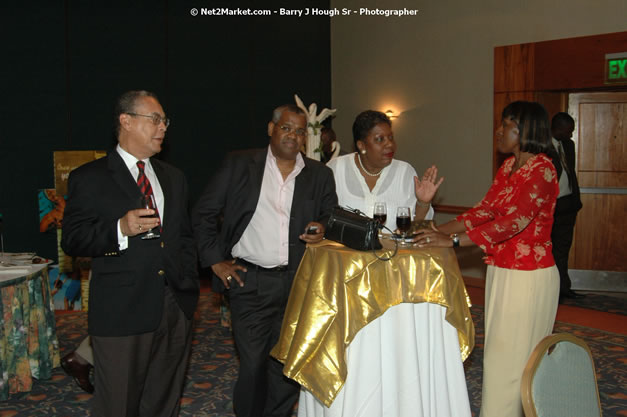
x: 274, y: 201
x: 568, y: 201
x: 143, y: 292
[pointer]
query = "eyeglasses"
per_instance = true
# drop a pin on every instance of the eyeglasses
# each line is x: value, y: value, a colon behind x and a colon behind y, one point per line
x: 288, y: 129
x: 154, y: 118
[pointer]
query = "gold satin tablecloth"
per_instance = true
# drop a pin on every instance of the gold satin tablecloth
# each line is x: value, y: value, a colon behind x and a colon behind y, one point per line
x: 337, y: 291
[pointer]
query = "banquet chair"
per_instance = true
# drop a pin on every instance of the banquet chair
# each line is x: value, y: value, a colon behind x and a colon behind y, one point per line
x: 559, y: 379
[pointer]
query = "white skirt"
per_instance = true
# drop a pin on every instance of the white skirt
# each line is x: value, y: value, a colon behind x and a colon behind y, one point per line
x: 520, y: 309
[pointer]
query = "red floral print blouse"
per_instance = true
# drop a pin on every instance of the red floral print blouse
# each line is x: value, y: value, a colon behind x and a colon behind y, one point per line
x: 512, y: 224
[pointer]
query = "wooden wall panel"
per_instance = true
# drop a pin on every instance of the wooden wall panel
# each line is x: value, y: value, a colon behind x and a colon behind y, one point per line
x: 553, y: 102
x: 600, y: 238
x: 575, y: 63
x: 602, y: 179
x: 602, y: 137
x: 514, y: 68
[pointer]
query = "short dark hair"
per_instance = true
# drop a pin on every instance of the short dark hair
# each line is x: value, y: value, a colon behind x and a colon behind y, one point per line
x: 126, y: 104
x: 533, y: 126
x: 365, y: 121
x: 292, y: 108
x: 562, y: 120
x: 328, y: 131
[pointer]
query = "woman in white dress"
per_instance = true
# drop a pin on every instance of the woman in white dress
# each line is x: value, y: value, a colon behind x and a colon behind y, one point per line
x: 372, y: 175
x: 407, y: 362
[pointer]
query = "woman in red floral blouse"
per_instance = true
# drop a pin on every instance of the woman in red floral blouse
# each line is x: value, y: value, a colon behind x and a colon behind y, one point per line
x: 512, y: 225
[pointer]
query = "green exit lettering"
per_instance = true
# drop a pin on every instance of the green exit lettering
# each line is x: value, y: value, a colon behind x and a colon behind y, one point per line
x: 616, y: 69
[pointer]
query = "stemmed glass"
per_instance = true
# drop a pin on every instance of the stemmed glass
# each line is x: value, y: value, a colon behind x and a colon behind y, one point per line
x: 403, y: 220
x: 148, y: 202
x: 380, y: 213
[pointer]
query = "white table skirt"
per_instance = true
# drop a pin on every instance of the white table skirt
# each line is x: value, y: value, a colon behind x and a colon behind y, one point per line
x: 11, y: 273
x: 406, y: 363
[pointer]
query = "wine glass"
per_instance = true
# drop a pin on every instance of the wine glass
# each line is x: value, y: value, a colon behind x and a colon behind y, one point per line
x: 148, y: 202
x: 403, y: 220
x: 380, y: 213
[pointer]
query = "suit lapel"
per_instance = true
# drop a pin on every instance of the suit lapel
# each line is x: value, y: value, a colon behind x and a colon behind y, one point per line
x: 256, y: 169
x: 300, y: 188
x: 122, y: 176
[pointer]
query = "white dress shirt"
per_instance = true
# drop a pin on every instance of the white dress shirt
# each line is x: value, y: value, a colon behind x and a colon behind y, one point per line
x: 265, y: 242
x: 131, y: 164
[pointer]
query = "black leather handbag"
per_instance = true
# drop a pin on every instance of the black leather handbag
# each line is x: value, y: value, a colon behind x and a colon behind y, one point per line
x: 353, y: 228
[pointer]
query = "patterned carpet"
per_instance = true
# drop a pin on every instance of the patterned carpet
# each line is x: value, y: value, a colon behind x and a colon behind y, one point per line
x: 213, y: 368
x: 599, y: 302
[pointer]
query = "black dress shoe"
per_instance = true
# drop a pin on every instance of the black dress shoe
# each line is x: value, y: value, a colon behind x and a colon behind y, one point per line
x: 571, y: 294
x: 78, y: 368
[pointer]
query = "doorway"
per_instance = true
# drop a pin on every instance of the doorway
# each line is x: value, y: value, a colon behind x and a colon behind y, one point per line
x: 599, y: 249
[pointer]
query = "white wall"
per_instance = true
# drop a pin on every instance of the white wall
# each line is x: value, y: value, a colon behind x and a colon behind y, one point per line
x: 436, y: 69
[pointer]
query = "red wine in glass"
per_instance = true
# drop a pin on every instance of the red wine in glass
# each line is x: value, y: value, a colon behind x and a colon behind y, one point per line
x: 403, y: 220
x: 403, y: 223
x: 148, y: 202
x: 381, y: 218
x: 380, y: 213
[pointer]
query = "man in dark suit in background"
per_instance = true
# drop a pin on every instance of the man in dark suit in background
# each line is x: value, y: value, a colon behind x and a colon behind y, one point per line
x: 143, y: 292
x: 273, y: 201
x: 568, y: 201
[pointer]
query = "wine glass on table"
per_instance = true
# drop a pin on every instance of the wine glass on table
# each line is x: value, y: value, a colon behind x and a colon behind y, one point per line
x: 380, y: 213
x: 403, y: 221
x: 148, y: 202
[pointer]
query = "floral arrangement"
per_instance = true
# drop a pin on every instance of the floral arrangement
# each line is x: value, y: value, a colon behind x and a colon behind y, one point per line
x: 314, y: 124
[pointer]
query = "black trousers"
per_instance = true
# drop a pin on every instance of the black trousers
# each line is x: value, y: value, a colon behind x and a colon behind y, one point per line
x: 257, y: 311
x: 142, y: 375
x: 562, y: 237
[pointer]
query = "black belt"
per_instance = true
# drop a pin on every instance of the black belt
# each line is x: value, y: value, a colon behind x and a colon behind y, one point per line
x: 280, y: 268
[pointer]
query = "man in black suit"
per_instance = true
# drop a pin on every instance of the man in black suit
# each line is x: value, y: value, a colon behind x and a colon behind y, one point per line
x: 274, y: 201
x: 143, y: 292
x: 568, y: 201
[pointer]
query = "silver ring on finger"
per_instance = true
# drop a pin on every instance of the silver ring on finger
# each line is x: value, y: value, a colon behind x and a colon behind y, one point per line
x: 428, y: 240
x: 229, y: 278
x: 139, y: 226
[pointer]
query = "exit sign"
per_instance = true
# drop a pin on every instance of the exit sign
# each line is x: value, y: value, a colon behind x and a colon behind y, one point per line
x: 616, y: 68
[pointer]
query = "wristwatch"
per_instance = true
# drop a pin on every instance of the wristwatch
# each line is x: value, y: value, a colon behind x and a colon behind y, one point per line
x: 455, y: 240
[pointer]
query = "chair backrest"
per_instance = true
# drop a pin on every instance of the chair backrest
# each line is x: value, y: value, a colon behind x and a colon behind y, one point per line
x: 559, y: 379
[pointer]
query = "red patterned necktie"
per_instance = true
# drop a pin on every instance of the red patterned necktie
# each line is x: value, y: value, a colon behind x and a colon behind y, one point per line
x: 143, y: 183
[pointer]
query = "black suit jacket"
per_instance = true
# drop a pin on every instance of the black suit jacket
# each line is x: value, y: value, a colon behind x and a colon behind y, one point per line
x: 234, y: 192
x: 127, y: 287
x: 570, y: 203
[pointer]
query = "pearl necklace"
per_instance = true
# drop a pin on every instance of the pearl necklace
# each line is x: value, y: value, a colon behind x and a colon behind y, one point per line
x: 365, y: 170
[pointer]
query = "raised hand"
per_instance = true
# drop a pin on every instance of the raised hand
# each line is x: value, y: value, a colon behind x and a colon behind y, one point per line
x: 426, y: 188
